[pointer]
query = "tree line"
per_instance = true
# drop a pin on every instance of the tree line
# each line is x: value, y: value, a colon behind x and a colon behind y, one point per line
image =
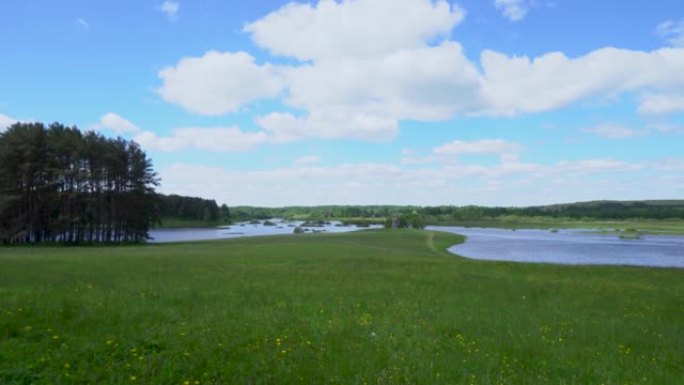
x: 58, y: 184
x: 617, y: 210
x: 191, y: 209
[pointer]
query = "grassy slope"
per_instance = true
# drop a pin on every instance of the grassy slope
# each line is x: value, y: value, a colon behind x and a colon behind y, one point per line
x: 369, y: 307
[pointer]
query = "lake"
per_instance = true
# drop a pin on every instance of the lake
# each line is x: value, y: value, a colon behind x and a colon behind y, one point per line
x: 573, y: 247
x: 247, y: 230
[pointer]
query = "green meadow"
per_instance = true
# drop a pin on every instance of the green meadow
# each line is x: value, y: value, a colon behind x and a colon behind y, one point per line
x: 373, y: 307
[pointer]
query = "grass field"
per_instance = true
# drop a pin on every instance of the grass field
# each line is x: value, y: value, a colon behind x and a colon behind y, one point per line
x: 376, y: 307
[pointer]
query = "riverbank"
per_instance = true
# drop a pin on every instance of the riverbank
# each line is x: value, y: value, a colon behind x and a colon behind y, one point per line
x: 377, y: 307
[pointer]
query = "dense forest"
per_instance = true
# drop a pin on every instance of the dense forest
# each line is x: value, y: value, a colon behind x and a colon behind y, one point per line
x: 190, y: 209
x: 58, y: 184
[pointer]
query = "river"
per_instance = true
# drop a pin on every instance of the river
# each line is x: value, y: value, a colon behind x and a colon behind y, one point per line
x: 572, y: 247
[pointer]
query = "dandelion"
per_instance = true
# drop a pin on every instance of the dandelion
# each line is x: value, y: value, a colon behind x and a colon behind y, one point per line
x: 55, y: 337
x: 133, y: 378
x: 109, y: 342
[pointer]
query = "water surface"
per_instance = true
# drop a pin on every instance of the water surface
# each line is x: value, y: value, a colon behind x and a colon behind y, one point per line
x: 245, y: 230
x: 575, y: 247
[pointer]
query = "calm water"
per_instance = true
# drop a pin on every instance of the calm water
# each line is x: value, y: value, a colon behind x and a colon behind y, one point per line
x: 574, y: 247
x: 244, y: 230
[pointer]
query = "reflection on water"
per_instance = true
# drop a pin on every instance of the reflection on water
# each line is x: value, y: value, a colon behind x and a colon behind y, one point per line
x: 246, y: 229
x: 575, y: 247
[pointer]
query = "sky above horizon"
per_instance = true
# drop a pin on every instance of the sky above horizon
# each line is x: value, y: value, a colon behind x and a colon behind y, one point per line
x: 275, y: 103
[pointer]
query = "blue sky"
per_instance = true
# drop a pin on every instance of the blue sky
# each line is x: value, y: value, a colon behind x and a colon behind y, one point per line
x: 271, y: 103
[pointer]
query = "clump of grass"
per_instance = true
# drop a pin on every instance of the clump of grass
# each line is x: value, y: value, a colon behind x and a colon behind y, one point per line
x: 630, y: 233
x: 376, y: 307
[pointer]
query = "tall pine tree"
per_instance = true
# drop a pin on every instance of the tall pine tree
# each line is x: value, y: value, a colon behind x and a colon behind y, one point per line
x: 58, y: 184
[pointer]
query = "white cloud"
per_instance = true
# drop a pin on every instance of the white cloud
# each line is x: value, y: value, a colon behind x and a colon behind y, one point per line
x: 667, y: 128
x: 117, y: 124
x: 217, y: 139
x: 329, y: 123
x: 513, y: 85
x: 352, y: 83
x: 82, y: 23
x: 593, y: 166
x: 382, y: 183
x: 656, y: 104
x: 427, y: 83
x: 513, y: 10
x: 672, y: 32
x: 478, y: 147
x: 218, y: 83
x: 614, y: 131
x: 170, y: 8
x: 380, y: 27
x: 308, y: 160
x: 366, y: 98
x: 6, y: 121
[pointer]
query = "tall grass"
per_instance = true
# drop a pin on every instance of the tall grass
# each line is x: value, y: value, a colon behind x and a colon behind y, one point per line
x: 377, y: 307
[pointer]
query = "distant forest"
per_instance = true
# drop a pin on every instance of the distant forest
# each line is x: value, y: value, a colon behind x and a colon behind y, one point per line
x: 190, y: 209
x: 58, y: 184
x: 604, y: 210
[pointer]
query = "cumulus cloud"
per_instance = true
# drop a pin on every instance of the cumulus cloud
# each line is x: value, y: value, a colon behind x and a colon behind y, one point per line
x: 672, y: 31
x: 369, y: 183
x: 329, y: 123
x: 362, y: 82
x: 427, y: 83
x: 218, y: 83
x: 657, y: 104
x: 614, y: 131
x: 380, y: 27
x: 216, y: 139
x: 170, y: 9
x: 509, y: 152
x: 513, y: 85
x: 6, y: 121
x: 117, y: 124
x: 513, y: 10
